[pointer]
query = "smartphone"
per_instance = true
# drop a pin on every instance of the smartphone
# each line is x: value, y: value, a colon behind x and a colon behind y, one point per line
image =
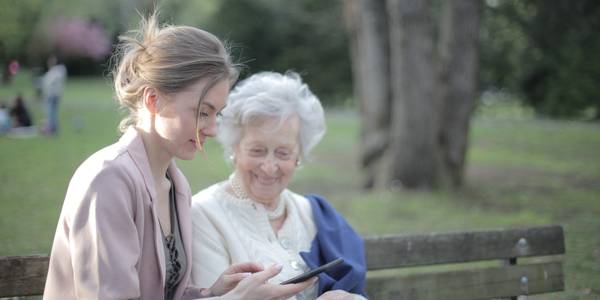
x: 313, y: 272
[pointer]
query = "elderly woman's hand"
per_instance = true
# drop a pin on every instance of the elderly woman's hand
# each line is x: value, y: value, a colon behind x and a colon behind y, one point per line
x: 230, y: 278
x: 256, y: 287
x: 336, y: 295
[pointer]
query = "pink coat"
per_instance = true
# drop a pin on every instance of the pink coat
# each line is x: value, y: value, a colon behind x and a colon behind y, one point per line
x: 108, y: 243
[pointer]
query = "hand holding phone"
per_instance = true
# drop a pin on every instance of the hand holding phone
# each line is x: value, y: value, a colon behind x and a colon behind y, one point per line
x: 313, y: 272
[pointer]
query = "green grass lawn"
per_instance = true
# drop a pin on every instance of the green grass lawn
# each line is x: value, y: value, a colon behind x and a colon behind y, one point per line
x: 521, y: 171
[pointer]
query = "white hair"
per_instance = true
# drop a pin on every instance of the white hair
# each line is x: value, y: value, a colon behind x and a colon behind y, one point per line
x: 270, y: 94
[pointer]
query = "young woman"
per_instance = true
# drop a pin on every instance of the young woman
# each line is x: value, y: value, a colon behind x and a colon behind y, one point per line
x: 125, y: 230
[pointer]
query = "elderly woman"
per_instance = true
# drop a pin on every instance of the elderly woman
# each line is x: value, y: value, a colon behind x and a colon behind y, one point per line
x: 269, y: 126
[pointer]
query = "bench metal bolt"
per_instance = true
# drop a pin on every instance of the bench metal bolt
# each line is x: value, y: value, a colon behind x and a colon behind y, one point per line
x: 524, y: 285
x: 522, y: 246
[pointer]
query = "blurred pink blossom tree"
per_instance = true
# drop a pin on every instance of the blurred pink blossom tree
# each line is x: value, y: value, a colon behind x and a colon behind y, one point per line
x: 76, y: 38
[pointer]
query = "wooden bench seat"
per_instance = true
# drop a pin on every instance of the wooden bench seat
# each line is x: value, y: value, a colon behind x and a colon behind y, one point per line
x: 489, y: 264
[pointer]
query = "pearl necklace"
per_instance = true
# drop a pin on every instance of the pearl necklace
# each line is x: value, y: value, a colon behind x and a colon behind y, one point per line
x: 239, y: 192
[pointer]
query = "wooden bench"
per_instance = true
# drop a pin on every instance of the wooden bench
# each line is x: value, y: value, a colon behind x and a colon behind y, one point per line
x: 511, y: 262
x: 524, y: 268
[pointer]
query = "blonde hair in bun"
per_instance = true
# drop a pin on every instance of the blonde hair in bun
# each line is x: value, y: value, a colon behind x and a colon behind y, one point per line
x: 168, y: 58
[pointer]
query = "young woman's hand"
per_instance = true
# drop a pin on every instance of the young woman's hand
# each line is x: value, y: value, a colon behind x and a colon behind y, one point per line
x: 232, y: 276
x: 336, y: 295
x: 255, y: 287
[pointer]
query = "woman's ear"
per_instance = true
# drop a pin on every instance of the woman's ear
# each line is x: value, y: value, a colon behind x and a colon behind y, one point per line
x: 234, y: 154
x: 150, y: 99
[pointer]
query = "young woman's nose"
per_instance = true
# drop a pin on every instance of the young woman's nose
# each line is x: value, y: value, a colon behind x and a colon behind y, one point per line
x: 210, y: 130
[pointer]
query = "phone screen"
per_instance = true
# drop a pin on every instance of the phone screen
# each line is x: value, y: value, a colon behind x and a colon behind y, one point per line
x: 313, y: 272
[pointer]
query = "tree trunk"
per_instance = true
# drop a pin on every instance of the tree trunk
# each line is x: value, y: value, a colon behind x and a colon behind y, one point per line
x: 458, y: 67
x: 414, y: 145
x: 415, y: 108
x: 366, y: 21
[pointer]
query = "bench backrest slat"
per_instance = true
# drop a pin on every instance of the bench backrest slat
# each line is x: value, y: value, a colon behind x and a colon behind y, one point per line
x: 23, y: 275
x: 430, y: 249
x: 485, y: 283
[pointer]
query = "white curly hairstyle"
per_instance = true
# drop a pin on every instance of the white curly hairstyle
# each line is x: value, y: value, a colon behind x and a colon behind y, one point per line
x: 270, y: 94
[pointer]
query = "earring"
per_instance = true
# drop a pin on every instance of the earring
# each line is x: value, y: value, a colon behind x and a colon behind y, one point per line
x: 298, y: 162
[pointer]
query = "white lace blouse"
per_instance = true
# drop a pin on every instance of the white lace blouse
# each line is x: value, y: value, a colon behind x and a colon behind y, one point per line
x: 229, y: 230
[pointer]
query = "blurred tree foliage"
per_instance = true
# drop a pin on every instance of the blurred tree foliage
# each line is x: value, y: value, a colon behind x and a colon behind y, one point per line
x: 305, y: 36
x: 18, y: 19
x: 546, y: 51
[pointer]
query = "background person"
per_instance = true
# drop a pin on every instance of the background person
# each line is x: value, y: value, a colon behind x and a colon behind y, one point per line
x: 5, y: 121
x: 52, y: 84
x: 21, y: 117
x: 270, y: 124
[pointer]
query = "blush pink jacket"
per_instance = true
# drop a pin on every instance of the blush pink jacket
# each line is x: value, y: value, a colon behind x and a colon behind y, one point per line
x: 108, y: 244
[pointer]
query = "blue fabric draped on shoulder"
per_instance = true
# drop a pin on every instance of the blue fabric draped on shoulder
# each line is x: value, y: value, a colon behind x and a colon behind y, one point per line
x: 335, y: 238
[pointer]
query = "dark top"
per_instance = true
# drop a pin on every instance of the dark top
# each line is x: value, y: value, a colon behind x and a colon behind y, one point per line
x: 20, y: 114
x: 175, y: 261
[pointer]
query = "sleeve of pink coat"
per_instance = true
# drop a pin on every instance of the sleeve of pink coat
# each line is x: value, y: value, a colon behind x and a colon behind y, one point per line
x: 103, y: 237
